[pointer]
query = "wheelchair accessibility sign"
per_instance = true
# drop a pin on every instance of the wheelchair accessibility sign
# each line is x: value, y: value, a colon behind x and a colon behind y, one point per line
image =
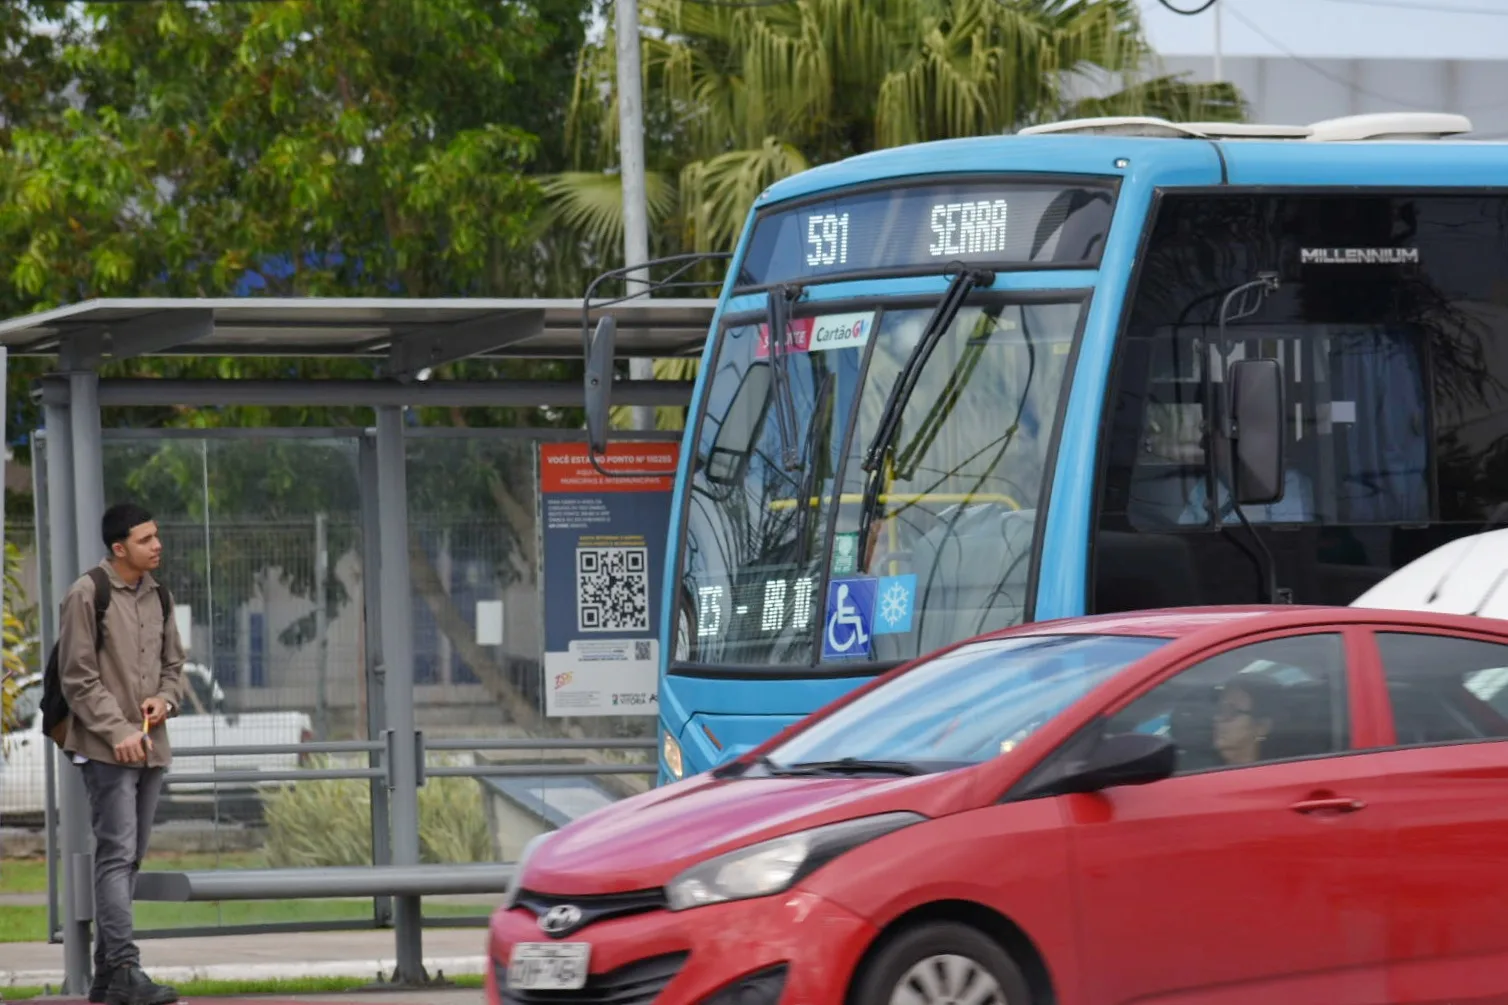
x: 849, y: 625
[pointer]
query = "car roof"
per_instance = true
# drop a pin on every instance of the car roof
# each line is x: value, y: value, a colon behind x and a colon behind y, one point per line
x: 1181, y: 622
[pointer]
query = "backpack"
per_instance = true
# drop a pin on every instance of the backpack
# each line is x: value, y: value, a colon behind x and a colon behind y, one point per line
x: 55, y: 709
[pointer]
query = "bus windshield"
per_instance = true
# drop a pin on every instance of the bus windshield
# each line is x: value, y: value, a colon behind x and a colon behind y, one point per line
x: 936, y: 547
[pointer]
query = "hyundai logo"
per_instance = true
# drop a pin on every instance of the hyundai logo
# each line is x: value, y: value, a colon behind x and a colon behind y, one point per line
x: 560, y: 919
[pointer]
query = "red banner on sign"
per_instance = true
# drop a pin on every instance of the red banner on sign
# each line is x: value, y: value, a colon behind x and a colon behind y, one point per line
x: 568, y: 468
x: 799, y: 338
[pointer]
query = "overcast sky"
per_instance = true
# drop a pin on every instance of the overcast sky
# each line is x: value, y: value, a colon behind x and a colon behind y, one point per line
x: 1432, y: 29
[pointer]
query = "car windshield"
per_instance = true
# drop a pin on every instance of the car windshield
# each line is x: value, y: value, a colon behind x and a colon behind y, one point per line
x: 966, y: 705
x: 937, y: 549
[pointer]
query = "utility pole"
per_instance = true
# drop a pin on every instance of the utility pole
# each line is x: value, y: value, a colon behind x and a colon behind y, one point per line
x: 631, y: 163
x: 1219, y: 68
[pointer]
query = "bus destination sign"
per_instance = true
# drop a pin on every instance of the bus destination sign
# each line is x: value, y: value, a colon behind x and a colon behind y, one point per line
x: 926, y: 228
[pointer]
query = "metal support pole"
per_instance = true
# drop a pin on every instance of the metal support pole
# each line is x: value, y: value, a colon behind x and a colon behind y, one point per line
x: 321, y: 629
x: 398, y: 658
x: 631, y: 160
x: 48, y: 629
x: 73, y: 803
x: 1219, y: 46
x: 371, y: 598
x: 89, y: 510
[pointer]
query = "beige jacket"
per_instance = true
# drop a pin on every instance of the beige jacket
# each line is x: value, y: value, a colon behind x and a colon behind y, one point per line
x: 105, y: 692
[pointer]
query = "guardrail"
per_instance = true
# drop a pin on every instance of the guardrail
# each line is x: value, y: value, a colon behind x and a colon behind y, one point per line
x: 381, y: 880
x: 422, y: 748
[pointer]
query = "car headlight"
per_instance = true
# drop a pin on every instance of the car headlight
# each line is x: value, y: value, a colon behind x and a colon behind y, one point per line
x: 515, y: 882
x: 672, y: 756
x: 769, y: 867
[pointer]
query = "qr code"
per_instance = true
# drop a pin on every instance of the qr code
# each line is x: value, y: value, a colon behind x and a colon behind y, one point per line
x: 612, y: 589
x: 641, y: 650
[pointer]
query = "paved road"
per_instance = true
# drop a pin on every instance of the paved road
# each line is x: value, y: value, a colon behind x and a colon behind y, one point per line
x: 428, y: 996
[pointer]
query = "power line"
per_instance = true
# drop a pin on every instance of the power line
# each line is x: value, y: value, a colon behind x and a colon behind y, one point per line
x: 1188, y: 13
x: 741, y: 3
x: 1431, y: 8
x: 1235, y: 12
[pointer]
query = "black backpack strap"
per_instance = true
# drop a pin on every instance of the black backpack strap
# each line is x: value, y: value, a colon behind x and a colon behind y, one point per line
x: 166, y: 599
x: 102, y: 591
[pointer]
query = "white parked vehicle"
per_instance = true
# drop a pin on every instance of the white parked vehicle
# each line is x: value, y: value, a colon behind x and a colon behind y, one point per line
x: 1467, y: 576
x: 201, y: 722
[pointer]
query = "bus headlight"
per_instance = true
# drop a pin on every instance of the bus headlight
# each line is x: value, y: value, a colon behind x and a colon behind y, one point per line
x: 770, y: 867
x: 670, y: 753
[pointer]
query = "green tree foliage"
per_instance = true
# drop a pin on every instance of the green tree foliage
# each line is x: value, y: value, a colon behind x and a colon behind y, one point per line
x: 370, y: 147
x: 19, y: 641
x: 740, y: 97
x: 333, y: 147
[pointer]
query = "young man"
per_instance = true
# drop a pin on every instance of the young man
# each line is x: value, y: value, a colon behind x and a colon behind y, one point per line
x: 120, y: 689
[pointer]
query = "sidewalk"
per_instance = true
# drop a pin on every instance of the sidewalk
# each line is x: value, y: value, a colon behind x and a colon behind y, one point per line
x: 367, y: 954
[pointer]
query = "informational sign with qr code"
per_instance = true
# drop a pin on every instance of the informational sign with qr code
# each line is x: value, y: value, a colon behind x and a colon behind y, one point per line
x: 603, y: 564
x: 612, y: 589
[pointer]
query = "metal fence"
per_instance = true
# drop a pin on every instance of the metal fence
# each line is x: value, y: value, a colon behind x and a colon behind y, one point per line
x: 266, y: 554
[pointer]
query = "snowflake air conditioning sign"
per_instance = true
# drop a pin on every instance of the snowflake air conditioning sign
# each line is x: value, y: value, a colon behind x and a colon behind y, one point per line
x: 602, y: 564
x: 861, y: 607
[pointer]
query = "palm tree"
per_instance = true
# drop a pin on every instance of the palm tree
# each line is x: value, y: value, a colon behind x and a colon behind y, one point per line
x: 738, y: 97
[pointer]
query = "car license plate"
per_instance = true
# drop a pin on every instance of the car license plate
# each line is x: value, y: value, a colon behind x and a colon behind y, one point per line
x: 549, y: 966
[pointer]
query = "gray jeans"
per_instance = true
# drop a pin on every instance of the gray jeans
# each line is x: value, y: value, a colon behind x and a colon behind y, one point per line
x: 122, y: 804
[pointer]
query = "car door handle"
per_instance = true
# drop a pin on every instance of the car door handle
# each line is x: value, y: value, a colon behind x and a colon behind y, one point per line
x: 1338, y: 804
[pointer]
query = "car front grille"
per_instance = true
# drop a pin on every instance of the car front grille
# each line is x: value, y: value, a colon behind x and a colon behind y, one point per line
x: 594, y: 908
x: 637, y: 983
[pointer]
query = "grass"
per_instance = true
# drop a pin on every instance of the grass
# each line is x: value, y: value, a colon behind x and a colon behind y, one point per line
x: 29, y: 875
x: 29, y: 923
x: 299, y: 986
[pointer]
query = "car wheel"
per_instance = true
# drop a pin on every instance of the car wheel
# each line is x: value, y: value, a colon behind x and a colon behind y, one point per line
x: 942, y: 963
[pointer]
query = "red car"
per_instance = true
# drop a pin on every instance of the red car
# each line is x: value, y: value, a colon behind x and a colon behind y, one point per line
x: 1206, y: 805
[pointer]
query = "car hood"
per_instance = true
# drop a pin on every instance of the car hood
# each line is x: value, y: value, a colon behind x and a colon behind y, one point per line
x: 644, y: 841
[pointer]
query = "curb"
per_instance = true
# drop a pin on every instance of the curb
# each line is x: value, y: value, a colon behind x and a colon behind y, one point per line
x: 370, y: 968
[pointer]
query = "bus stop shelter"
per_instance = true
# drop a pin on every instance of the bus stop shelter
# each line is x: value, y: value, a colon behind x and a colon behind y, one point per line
x: 409, y: 338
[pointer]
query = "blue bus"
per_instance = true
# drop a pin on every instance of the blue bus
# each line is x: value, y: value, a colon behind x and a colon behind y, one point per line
x: 1095, y: 366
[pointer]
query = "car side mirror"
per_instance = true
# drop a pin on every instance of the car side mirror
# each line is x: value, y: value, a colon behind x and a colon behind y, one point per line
x: 1256, y: 390
x: 1120, y: 759
x: 599, y: 383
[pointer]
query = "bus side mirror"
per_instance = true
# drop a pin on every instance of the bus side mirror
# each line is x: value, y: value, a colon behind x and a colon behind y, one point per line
x: 599, y: 383
x: 1256, y: 390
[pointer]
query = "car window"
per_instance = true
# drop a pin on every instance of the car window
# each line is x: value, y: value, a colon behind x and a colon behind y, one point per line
x: 1268, y: 701
x: 1445, y: 689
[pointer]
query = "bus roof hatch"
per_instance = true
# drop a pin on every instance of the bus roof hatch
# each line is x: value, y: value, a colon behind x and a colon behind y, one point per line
x: 1376, y: 126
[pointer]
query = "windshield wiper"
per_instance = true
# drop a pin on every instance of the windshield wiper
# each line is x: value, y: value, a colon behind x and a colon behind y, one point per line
x: 905, y: 382
x: 778, y: 311
x: 804, y: 504
x: 739, y: 769
x: 857, y: 764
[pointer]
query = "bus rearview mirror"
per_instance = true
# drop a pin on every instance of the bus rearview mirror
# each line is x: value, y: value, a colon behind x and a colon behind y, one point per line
x: 599, y: 383
x: 1256, y: 389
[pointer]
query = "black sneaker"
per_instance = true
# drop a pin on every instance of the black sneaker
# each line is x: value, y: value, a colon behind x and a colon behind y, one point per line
x: 101, y: 983
x: 130, y: 985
